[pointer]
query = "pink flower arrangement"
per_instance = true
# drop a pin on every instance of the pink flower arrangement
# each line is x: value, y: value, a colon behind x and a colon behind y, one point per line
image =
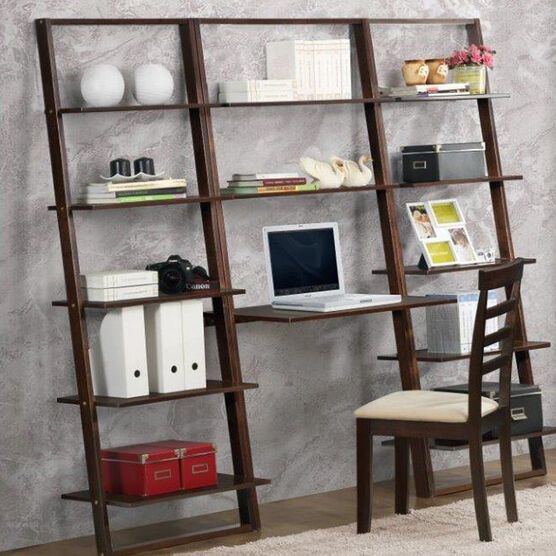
x: 472, y: 55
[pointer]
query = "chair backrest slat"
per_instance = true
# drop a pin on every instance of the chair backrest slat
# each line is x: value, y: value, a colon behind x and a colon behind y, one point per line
x: 500, y: 308
x: 495, y: 364
x: 508, y: 277
x: 497, y: 336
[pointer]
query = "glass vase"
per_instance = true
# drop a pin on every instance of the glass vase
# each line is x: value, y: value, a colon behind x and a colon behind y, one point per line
x: 474, y: 75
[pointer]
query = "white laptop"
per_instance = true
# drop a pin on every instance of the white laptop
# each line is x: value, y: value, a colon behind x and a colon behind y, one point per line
x: 304, y: 269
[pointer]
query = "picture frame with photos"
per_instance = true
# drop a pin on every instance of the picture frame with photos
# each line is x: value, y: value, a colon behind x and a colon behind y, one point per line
x: 440, y: 227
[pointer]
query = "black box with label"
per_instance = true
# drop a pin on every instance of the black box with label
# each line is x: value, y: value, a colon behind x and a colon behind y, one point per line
x: 446, y: 161
x: 525, y: 408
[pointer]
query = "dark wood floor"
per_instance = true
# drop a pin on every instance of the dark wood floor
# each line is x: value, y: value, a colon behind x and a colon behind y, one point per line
x: 291, y: 516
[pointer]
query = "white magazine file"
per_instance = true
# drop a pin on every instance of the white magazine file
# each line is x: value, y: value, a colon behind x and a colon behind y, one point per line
x: 119, y: 357
x: 175, y: 346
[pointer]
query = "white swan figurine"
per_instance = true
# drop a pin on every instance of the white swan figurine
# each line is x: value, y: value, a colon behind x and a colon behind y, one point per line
x: 357, y: 173
x: 329, y: 175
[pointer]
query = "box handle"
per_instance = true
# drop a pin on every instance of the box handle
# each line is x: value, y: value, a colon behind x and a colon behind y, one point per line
x: 199, y: 468
x: 419, y: 164
x: 163, y: 474
x: 518, y: 413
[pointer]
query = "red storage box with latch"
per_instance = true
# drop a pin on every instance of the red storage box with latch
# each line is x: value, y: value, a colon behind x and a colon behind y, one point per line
x: 197, y: 462
x: 141, y: 470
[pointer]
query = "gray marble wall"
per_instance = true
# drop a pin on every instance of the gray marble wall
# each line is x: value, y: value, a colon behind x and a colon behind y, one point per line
x: 311, y: 376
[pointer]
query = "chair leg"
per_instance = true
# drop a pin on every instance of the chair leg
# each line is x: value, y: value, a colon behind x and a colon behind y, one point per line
x: 479, y: 486
x: 364, y: 476
x: 402, y: 475
x: 508, y: 470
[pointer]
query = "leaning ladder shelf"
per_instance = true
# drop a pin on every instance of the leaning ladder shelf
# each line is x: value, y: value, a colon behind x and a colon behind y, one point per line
x: 224, y: 316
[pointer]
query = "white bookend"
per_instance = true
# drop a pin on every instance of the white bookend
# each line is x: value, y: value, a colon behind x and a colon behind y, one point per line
x: 118, y: 278
x: 193, y: 344
x: 119, y: 358
x: 163, y: 325
x: 176, y: 346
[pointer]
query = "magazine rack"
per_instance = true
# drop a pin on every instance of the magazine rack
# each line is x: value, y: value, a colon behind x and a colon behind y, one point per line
x: 224, y: 316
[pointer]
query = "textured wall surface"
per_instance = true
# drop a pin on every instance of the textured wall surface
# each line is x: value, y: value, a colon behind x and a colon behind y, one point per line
x: 311, y: 376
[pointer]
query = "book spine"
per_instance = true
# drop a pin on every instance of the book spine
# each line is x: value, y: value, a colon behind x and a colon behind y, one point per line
x: 346, y: 69
x: 139, y: 192
x: 145, y: 185
x: 284, y: 188
x: 139, y: 278
x: 122, y: 293
x: 142, y: 198
x: 267, y: 182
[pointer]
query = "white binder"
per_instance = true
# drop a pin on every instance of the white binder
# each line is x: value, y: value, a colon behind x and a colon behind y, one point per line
x: 175, y: 346
x: 163, y: 325
x: 193, y: 344
x: 119, y: 358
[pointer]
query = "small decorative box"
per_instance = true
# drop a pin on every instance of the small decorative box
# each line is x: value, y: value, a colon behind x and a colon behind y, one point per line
x: 141, y: 470
x: 197, y: 462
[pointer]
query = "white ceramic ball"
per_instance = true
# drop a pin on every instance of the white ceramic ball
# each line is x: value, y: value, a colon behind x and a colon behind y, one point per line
x: 102, y: 85
x: 152, y: 84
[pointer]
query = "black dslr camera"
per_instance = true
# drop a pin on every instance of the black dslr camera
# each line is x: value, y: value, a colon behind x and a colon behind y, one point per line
x: 177, y: 275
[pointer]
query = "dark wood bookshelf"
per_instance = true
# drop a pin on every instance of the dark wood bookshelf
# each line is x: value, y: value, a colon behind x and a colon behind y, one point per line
x: 431, y: 357
x: 266, y: 313
x: 225, y: 483
x: 162, y: 298
x: 414, y: 270
x: 213, y: 387
x: 224, y: 314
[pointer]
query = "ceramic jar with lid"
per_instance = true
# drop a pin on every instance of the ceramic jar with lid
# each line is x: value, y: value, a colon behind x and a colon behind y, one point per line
x: 415, y: 72
x: 438, y: 70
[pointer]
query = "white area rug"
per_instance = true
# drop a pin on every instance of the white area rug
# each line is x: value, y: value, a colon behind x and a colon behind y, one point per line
x: 449, y: 529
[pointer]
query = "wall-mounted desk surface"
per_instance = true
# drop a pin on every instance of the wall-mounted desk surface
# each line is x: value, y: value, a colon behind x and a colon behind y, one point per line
x: 267, y: 313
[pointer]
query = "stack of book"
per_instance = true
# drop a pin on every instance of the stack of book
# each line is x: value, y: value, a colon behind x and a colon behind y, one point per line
x: 320, y: 69
x: 132, y: 191
x: 443, y: 89
x: 255, y: 90
x: 119, y: 285
x: 260, y: 184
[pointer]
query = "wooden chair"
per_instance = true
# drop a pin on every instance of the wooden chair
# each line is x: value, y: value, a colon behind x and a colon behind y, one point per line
x: 430, y: 414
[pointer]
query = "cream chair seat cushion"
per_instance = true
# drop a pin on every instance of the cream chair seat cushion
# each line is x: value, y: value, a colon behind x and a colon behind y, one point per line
x: 423, y: 405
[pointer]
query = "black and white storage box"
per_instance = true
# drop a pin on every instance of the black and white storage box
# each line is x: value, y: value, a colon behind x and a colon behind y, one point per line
x: 525, y: 408
x: 446, y: 161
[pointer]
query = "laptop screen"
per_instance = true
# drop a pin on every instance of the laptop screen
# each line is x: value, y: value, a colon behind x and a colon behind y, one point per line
x: 303, y: 261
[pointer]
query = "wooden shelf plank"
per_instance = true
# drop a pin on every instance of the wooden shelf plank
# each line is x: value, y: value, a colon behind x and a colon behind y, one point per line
x: 364, y: 100
x: 414, y: 270
x: 460, y: 181
x: 194, y: 106
x: 546, y: 431
x: 431, y: 357
x: 126, y: 108
x: 225, y: 483
x: 177, y: 540
x: 108, y: 206
x: 390, y: 100
x: 213, y: 387
x: 266, y: 313
x: 105, y: 305
x: 323, y: 191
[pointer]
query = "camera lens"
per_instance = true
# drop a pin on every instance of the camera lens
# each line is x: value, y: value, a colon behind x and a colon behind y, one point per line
x: 171, y: 279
